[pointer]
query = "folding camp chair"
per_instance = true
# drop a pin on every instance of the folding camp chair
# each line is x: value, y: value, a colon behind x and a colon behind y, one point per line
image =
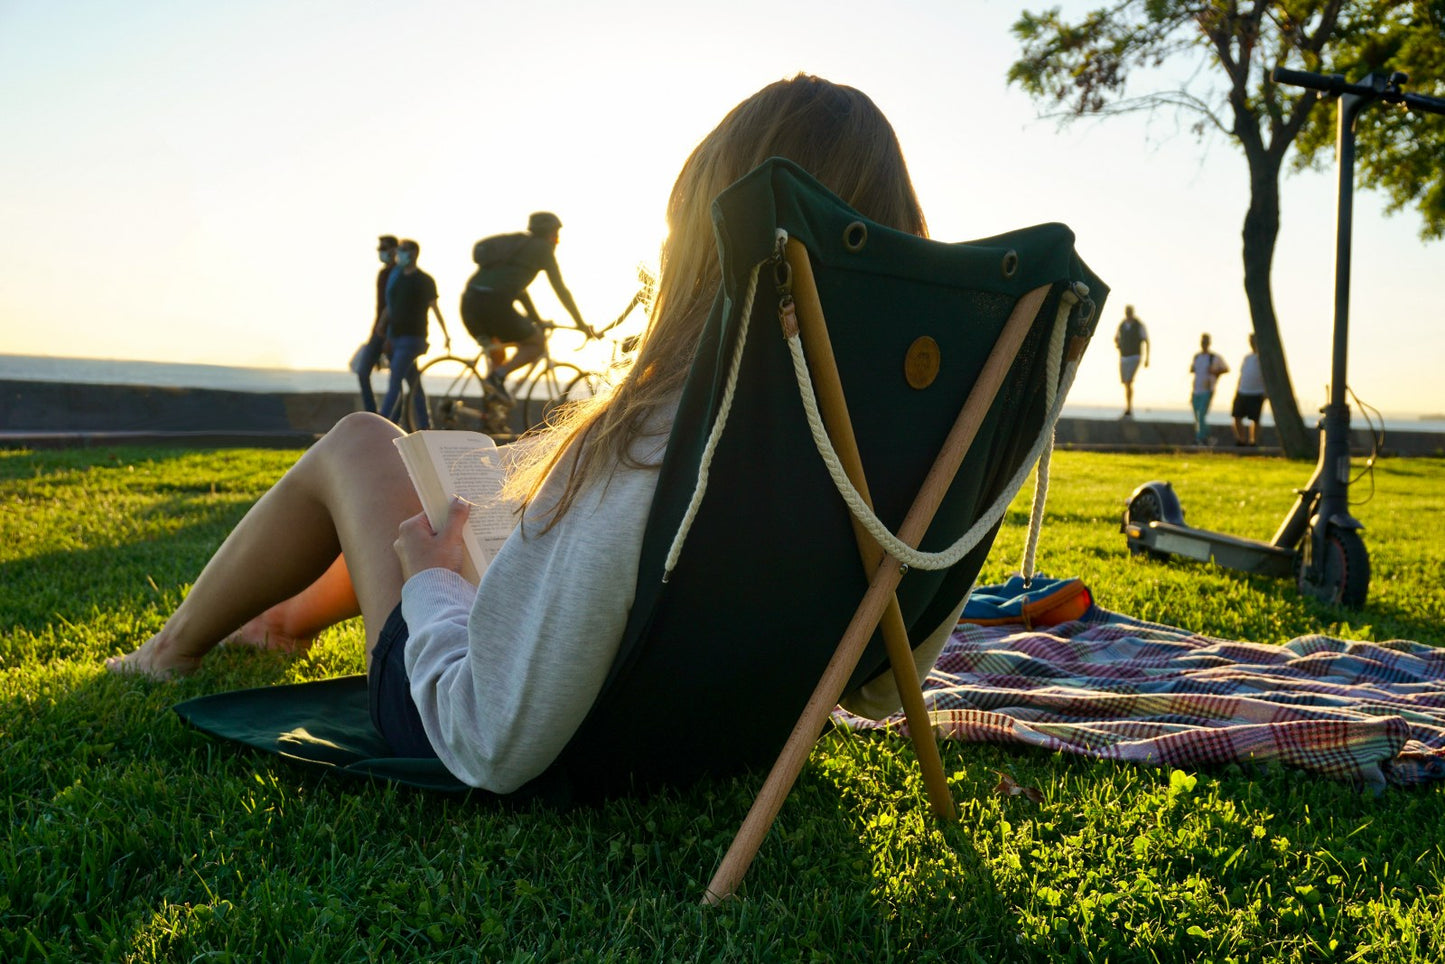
x: 862, y: 408
x: 941, y: 351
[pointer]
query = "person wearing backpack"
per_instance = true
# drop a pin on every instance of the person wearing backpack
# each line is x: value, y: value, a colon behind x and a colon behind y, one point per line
x: 506, y: 265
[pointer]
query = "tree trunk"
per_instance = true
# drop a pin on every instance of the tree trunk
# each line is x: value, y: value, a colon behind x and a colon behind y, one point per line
x: 1261, y: 230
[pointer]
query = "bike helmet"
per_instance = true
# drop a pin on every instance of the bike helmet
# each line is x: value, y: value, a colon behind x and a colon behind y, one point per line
x: 543, y: 222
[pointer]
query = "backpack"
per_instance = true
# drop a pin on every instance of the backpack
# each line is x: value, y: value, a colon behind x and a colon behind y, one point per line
x: 498, y: 249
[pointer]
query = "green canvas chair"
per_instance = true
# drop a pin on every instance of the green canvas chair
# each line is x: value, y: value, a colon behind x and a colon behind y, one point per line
x: 933, y: 373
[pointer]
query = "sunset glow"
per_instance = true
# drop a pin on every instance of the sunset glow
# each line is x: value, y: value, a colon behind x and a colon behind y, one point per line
x: 205, y: 183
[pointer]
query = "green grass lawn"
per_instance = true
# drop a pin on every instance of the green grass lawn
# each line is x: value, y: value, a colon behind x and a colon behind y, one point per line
x: 130, y: 837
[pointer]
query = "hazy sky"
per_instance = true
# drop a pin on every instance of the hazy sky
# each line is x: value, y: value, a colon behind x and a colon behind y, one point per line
x: 205, y: 182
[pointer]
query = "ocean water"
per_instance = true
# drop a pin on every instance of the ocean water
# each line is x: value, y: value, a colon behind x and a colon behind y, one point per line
x: 103, y: 371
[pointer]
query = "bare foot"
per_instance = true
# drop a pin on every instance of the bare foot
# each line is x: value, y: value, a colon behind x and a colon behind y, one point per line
x: 156, y: 659
x: 268, y: 632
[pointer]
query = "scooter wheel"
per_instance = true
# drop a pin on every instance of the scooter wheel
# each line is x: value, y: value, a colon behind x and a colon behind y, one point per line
x: 1143, y: 509
x: 1344, y: 570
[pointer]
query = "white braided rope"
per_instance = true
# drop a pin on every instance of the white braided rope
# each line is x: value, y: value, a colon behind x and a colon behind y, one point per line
x: 1036, y: 513
x: 675, y: 551
x: 891, y: 544
x: 1054, y: 359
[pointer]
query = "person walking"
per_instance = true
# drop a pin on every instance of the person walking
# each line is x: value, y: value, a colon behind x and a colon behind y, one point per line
x: 1206, y: 369
x: 1248, y: 398
x: 506, y: 265
x: 365, y: 361
x: 410, y: 294
x: 1131, y: 338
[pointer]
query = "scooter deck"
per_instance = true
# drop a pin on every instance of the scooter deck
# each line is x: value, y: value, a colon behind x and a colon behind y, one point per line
x: 1232, y: 552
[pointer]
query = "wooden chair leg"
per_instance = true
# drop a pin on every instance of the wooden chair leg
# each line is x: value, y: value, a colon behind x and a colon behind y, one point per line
x: 885, y: 579
x: 813, y: 328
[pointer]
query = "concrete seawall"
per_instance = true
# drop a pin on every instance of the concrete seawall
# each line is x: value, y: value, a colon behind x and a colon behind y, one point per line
x: 49, y: 413
x: 1125, y: 435
x: 53, y: 414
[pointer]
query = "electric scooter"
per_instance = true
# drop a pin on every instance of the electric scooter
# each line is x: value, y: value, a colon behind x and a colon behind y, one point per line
x: 1319, y: 542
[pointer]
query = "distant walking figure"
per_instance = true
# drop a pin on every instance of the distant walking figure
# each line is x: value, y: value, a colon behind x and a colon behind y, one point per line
x: 410, y: 294
x: 371, y: 352
x: 1206, y: 368
x: 1131, y: 337
x: 506, y: 265
x: 1248, y: 398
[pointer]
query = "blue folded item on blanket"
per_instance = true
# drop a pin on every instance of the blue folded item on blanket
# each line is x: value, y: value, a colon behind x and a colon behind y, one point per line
x: 1039, y: 601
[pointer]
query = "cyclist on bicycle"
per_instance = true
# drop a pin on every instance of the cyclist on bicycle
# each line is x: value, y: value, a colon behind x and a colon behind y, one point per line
x: 507, y: 264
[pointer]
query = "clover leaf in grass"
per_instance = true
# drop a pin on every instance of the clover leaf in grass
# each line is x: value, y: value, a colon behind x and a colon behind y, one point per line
x: 1181, y: 782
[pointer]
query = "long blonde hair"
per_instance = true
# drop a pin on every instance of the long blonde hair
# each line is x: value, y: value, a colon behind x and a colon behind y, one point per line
x: 835, y: 133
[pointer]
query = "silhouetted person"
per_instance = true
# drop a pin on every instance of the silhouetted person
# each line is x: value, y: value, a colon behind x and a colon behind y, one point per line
x: 371, y: 352
x: 410, y: 294
x: 1248, y: 398
x: 507, y: 264
x: 1206, y: 368
x: 1131, y: 337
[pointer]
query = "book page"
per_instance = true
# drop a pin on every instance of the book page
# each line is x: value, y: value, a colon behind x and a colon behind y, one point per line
x: 467, y: 464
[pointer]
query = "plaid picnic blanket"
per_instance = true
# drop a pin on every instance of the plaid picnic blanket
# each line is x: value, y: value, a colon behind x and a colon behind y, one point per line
x: 1118, y: 688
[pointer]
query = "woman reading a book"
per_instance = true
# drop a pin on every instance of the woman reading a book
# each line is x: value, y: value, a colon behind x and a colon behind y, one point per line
x: 495, y: 678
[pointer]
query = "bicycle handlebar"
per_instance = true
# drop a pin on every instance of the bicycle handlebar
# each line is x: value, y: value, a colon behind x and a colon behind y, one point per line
x: 1378, y: 85
x: 548, y: 325
x: 595, y: 334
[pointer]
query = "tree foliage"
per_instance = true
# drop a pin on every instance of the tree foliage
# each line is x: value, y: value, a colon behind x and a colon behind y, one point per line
x: 1209, y: 61
x: 1085, y: 69
x: 1399, y: 152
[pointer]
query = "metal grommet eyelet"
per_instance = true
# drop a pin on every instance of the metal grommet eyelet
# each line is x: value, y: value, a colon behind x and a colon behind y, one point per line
x: 1086, y: 304
x: 1010, y: 265
x: 855, y: 236
x: 782, y: 274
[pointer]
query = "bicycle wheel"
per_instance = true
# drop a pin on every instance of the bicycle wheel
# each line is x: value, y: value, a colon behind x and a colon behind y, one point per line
x: 582, y: 387
x: 454, y: 393
x: 542, y: 389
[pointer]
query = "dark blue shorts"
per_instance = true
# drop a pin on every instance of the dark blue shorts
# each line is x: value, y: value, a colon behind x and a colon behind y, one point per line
x: 392, y: 711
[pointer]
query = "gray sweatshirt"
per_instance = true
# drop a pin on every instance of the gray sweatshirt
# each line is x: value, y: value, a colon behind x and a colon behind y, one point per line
x: 504, y: 673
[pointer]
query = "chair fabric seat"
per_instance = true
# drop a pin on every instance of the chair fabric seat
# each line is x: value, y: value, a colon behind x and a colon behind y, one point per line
x: 717, y: 662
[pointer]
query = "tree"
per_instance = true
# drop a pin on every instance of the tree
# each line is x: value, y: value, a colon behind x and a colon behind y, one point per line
x: 1400, y: 151
x: 1084, y: 68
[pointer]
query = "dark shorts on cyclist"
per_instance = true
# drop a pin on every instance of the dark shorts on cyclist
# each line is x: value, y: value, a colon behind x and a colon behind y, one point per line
x: 492, y: 314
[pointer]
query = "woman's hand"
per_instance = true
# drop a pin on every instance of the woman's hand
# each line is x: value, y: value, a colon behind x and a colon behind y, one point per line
x: 419, y: 547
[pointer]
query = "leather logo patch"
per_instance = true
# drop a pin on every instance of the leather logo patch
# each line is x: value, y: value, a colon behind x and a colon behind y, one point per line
x: 920, y: 365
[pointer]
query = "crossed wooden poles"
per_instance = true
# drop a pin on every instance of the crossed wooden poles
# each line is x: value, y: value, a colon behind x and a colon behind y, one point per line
x: 880, y: 604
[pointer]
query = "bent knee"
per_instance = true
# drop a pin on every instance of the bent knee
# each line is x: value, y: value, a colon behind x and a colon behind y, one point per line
x: 364, y: 433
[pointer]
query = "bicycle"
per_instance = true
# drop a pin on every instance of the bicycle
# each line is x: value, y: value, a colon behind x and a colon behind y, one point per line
x: 458, y: 396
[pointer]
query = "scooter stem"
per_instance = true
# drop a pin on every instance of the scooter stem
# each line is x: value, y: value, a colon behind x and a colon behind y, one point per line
x: 1333, y: 473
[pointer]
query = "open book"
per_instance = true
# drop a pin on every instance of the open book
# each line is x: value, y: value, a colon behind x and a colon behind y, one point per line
x: 469, y: 464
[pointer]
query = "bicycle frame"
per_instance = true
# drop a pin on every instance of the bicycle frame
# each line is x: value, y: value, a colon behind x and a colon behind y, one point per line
x: 536, y: 386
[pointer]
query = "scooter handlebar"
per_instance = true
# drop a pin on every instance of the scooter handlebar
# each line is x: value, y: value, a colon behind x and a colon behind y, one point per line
x: 1374, y: 86
x: 1431, y: 105
x: 1329, y: 83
